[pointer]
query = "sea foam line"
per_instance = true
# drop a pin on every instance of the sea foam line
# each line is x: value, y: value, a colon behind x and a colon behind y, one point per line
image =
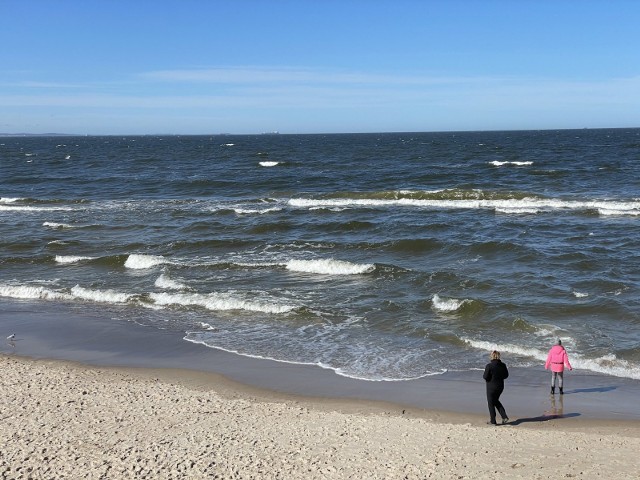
x: 532, y: 205
x: 337, y: 370
x: 608, y: 364
x: 217, y: 302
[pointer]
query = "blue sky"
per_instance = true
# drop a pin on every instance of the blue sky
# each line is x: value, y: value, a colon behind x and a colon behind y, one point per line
x: 317, y: 66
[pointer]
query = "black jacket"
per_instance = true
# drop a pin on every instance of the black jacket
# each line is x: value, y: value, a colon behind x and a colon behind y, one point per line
x: 495, y: 373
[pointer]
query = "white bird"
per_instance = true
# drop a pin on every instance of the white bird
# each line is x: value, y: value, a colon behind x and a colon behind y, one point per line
x: 11, y: 337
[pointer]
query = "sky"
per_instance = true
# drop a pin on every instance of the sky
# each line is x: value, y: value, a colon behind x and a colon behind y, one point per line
x: 317, y: 66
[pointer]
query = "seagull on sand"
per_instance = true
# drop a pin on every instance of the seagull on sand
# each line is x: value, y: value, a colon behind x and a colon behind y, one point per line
x: 11, y: 337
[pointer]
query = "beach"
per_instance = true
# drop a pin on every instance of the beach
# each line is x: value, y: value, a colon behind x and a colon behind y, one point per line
x: 65, y: 420
x: 92, y: 399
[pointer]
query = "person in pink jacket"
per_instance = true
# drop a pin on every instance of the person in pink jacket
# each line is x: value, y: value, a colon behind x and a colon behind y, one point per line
x: 557, y: 359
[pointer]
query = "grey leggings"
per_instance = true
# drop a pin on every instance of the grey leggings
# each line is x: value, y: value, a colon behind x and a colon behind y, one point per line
x: 553, y: 379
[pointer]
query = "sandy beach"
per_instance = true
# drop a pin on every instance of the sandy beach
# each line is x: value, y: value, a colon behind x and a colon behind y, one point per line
x: 94, y: 397
x: 65, y: 420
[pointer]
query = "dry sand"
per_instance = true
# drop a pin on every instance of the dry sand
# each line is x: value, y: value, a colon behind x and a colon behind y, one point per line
x: 64, y: 420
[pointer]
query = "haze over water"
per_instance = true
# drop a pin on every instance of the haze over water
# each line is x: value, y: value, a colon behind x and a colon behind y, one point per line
x: 380, y: 256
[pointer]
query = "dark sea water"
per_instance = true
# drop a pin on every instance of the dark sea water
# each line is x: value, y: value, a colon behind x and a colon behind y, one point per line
x: 379, y: 256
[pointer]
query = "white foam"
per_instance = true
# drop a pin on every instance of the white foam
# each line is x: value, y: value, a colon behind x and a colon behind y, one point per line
x: 26, y: 292
x: 617, y: 207
x: 100, y: 296
x: 28, y: 208
x: 329, y: 267
x: 607, y: 364
x: 56, y: 225
x: 337, y: 370
x: 497, y: 163
x: 447, y: 304
x: 249, y: 211
x: 10, y: 200
x: 163, y: 281
x: 218, y: 301
x: 269, y: 164
x: 618, y: 212
x: 579, y: 294
x: 138, y: 262
x: 65, y: 259
x: 518, y: 211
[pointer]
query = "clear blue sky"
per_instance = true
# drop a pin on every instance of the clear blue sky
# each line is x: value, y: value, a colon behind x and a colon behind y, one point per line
x: 312, y: 66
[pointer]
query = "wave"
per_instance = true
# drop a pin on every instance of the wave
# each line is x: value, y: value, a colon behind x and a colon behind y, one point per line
x: 607, y: 364
x: 163, y: 281
x: 329, y: 267
x: 66, y: 259
x: 249, y: 211
x: 269, y: 164
x: 10, y: 200
x: 218, y: 302
x: 498, y: 163
x: 28, y: 292
x: 509, y: 202
x: 56, y: 225
x: 447, y: 304
x: 29, y: 208
x: 139, y: 262
x: 193, y: 338
x: 100, y: 296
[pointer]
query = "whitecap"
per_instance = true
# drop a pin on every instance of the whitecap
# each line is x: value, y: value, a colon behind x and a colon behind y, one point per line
x: 56, y: 225
x: 100, y: 296
x: 250, y: 211
x: 447, y: 304
x: 28, y: 292
x: 579, y: 294
x: 498, y: 163
x: 163, y: 281
x: 65, y: 259
x: 269, y: 164
x: 329, y: 267
x: 218, y: 301
x: 139, y: 261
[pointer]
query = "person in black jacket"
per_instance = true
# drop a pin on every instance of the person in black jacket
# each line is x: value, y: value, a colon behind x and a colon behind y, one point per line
x: 494, y: 375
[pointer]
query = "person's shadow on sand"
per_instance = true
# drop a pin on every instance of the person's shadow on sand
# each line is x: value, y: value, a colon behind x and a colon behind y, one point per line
x: 591, y: 390
x: 543, y: 418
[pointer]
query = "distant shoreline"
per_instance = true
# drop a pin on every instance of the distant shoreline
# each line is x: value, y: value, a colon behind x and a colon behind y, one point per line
x: 275, y: 133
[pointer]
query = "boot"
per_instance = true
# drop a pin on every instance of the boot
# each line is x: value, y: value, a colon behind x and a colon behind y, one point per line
x: 561, y: 392
x: 553, y: 390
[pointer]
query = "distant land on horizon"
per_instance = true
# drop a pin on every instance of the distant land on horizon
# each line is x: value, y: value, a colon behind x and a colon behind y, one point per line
x: 221, y: 134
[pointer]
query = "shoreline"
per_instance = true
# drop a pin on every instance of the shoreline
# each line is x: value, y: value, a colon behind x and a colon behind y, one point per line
x: 110, y: 413
x: 57, y: 332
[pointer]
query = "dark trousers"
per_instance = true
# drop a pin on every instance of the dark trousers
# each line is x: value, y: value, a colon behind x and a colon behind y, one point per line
x: 493, y: 400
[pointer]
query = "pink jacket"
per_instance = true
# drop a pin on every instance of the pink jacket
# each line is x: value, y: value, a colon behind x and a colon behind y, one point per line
x: 557, y: 359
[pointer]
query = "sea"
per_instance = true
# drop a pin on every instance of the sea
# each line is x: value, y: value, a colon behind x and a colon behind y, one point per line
x: 382, y: 257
